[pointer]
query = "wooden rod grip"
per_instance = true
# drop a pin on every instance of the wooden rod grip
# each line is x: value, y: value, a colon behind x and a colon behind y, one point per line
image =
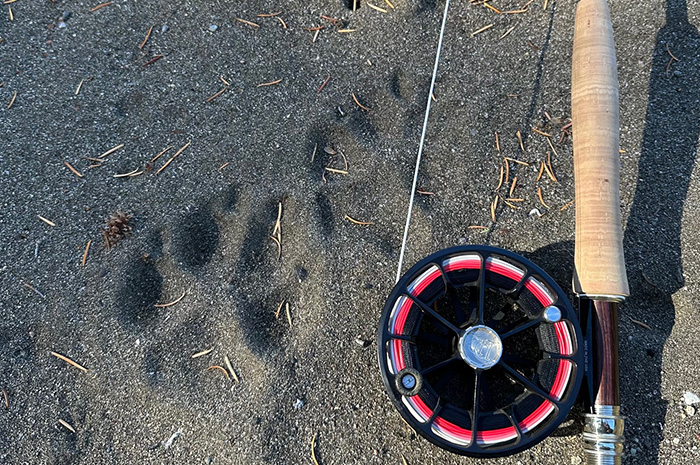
x: 595, y: 114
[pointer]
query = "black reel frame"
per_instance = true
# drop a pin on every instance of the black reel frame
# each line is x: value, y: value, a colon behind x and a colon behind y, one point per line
x: 483, y: 422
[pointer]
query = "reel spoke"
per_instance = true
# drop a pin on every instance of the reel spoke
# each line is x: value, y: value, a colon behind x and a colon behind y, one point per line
x: 529, y: 385
x: 511, y: 417
x: 476, y: 407
x: 521, y: 283
x: 434, y: 314
x: 440, y: 365
x: 482, y: 292
x: 434, y: 339
x: 451, y: 292
x: 517, y: 360
x: 519, y: 328
x: 553, y: 356
x: 402, y: 337
x: 444, y: 379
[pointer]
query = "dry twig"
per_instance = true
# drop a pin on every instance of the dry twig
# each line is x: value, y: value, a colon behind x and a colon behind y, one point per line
x: 170, y: 304
x: 379, y: 9
x: 231, y: 370
x: 101, y: 5
x: 539, y: 175
x: 288, y: 313
x: 548, y: 167
x: 279, y: 309
x: 353, y: 220
x: 161, y: 153
x: 12, y: 101
x: 66, y: 425
x: 506, y: 33
x: 73, y: 170
x: 271, y: 83
x: 222, y: 369
x: 173, y: 157
x: 217, y: 94
x: 519, y: 162
x: 148, y: 34
x: 567, y: 205
x: 324, y: 84
x: 500, y: 179
x: 640, y: 323
x: 69, y: 361
x: 520, y: 140
x: 359, y: 104
x: 35, y: 290
x: 47, y: 221
x: 534, y: 129
x: 202, y: 353
x: 249, y: 23
x: 111, y: 151
x: 479, y: 31
x: 85, y: 254
x: 313, y: 449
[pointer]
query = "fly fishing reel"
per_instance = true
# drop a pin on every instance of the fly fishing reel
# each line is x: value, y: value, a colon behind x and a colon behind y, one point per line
x: 480, y: 351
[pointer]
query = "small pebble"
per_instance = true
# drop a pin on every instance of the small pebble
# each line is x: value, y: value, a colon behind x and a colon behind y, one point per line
x: 61, y: 25
x: 576, y: 460
x: 690, y: 410
x: 66, y: 15
x: 298, y: 404
x: 676, y: 441
x: 167, y: 444
x: 213, y: 28
x: 165, y: 28
x: 535, y: 212
x: 302, y: 274
x: 690, y: 398
x: 361, y: 342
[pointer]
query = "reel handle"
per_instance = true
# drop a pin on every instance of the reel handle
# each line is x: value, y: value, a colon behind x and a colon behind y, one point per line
x: 599, y: 260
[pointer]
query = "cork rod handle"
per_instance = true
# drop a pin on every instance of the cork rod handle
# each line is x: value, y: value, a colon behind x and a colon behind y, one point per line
x: 599, y: 259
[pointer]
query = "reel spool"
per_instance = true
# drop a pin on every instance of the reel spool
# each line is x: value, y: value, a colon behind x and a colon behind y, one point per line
x: 480, y: 351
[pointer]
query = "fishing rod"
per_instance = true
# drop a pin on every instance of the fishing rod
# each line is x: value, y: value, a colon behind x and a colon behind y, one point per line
x: 600, y: 278
x: 480, y: 350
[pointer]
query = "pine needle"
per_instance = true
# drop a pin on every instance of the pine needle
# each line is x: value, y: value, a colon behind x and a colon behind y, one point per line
x: 66, y: 425
x: 69, y: 361
x: 230, y: 369
x: 313, y: 449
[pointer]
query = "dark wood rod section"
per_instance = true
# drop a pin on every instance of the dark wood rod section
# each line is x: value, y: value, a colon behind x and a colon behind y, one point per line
x: 606, y: 370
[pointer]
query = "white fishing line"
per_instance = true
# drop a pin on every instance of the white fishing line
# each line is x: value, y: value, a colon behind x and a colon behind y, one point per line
x: 422, y: 142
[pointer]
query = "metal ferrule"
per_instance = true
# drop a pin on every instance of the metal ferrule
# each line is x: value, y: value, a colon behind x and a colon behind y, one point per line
x: 603, y: 436
x: 602, y: 297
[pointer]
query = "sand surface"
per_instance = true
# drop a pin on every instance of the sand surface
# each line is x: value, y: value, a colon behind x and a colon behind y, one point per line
x: 201, y: 225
